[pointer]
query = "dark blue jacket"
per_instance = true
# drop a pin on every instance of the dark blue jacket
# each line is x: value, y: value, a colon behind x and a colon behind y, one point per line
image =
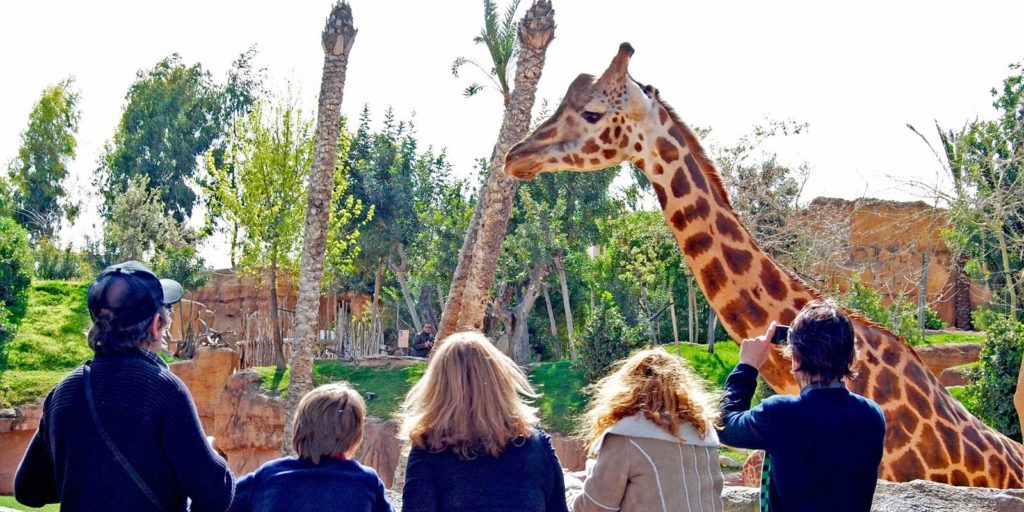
x: 297, y: 485
x: 526, y: 477
x: 149, y: 415
x: 825, y: 443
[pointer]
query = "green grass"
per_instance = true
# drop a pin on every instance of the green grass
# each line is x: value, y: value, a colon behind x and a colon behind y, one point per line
x: 712, y: 367
x: 52, y: 334
x: 9, y: 502
x: 389, y: 385
x: 954, y: 337
x: 24, y: 387
x: 562, y: 400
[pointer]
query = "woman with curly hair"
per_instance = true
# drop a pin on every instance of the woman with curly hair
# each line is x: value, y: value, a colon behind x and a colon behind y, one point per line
x: 651, y: 427
x: 475, y: 443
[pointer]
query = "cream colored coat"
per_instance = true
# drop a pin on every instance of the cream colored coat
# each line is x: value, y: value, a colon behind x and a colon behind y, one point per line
x: 642, y: 468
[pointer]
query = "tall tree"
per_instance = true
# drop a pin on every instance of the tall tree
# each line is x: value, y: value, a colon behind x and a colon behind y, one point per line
x: 337, y: 39
x: 38, y: 172
x: 468, y: 296
x: 264, y: 193
x: 174, y: 113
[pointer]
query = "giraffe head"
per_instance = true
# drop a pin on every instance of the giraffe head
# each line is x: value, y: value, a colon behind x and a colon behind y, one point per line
x: 599, y: 124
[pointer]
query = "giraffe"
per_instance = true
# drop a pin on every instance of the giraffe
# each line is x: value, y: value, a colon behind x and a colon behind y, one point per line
x: 613, y: 118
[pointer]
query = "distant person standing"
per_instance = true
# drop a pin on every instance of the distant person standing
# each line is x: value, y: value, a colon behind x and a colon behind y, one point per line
x: 120, y: 433
x: 423, y: 341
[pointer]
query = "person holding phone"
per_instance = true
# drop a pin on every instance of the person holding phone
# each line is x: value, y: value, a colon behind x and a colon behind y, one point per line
x: 823, y: 446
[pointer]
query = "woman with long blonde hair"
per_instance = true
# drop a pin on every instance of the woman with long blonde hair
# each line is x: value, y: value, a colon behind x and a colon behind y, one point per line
x: 475, y: 443
x: 651, y: 427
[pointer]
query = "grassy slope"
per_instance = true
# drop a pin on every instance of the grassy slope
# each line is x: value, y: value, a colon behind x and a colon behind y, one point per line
x: 950, y: 337
x: 9, y: 502
x: 49, y: 342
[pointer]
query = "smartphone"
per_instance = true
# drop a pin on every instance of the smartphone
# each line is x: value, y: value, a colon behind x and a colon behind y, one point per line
x: 781, y: 334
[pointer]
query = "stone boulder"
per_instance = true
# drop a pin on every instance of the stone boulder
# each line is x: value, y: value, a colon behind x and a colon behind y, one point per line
x: 248, y: 424
x: 940, y: 357
x: 381, y: 448
x: 954, y: 376
x: 17, y: 426
x: 205, y: 376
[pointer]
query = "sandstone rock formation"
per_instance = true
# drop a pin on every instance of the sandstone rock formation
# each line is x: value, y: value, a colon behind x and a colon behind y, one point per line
x: 205, y: 376
x: 17, y: 427
x: 955, y: 376
x: 248, y: 424
x: 940, y: 357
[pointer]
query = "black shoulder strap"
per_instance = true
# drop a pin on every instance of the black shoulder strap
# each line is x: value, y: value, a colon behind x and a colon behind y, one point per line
x: 110, y: 442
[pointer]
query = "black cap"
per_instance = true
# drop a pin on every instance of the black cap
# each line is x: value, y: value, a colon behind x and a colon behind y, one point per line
x: 131, y: 292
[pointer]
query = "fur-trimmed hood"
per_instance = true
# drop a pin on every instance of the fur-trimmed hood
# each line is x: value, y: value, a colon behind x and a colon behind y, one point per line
x: 639, y: 426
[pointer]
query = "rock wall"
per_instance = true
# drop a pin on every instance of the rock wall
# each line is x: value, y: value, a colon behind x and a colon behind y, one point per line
x: 205, y: 376
x: 885, y: 245
x: 17, y: 427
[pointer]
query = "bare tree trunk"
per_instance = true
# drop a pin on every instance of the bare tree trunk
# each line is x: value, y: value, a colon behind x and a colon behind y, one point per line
x: 526, y: 297
x: 377, y: 278
x: 275, y: 317
x: 563, y: 282
x: 337, y: 39
x: 400, y: 272
x: 426, y: 305
x: 712, y: 323
x: 536, y: 31
x: 691, y: 307
x: 551, y: 320
x: 1004, y: 254
x: 675, y: 324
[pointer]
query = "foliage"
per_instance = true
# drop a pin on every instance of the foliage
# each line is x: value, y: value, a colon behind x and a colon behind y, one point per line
x: 15, y: 269
x: 53, y: 262
x: 18, y: 387
x: 605, y: 338
x: 995, y: 378
x: 183, y: 264
x: 899, y: 317
x: 174, y: 114
x: 52, y: 334
x: 500, y: 36
x: 38, y: 172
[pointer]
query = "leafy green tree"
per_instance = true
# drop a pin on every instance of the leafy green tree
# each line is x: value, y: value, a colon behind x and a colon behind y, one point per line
x: 175, y: 112
x: 15, y: 277
x: 38, y: 172
x: 605, y: 337
x: 270, y: 155
x: 995, y: 378
x: 59, y: 263
x: 137, y: 226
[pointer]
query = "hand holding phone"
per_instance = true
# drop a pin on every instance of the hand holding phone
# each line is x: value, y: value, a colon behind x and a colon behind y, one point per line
x: 781, y: 334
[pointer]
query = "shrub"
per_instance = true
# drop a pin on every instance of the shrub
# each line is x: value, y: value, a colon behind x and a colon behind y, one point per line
x: 605, y: 338
x: 65, y: 264
x: 184, y: 265
x: 995, y: 378
x: 932, y: 320
x: 15, y: 268
x: 899, y: 317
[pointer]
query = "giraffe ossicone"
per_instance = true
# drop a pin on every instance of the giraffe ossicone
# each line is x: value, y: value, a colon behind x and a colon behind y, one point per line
x: 606, y: 120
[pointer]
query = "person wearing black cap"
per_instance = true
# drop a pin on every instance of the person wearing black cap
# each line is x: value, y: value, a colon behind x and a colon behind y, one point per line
x: 121, y: 433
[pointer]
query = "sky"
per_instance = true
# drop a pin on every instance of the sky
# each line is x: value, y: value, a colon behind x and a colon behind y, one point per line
x: 856, y: 72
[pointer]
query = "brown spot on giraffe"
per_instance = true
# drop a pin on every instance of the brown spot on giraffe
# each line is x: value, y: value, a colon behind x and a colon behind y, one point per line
x: 595, y: 161
x: 713, y: 278
x: 641, y: 164
x: 609, y: 153
x: 695, y: 173
x: 737, y: 259
x: 900, y: 426
x: 886, y: 386
x: 744, y: 313
x: 697, y: 244
x: 979, y: 481
x: 677, y: 134
x: 547, y: 133
x: 638, y: 147
x: 889, y: 355
x: 973, y: 459
x: 997, y: 469
x: 668, y: 151
x: 678, y: 220
x: 772, y: 280
x: 951, y: 440
x: 658, y: 169
x: 908, y: 464
x: 871, y: 358
x: 799, y: 303
x: 787, y: 316
x: 660, y: 192
x: 932, y: 452
x: 680, y: 186
x: 958, y: 478
x: 624, y: 142
x: 698, y: 210
x: 942, y: 478
x: 728, y: 227
x: 552, y: 160
x: 663, y: 115
x: 606, y: 136
x: 617, y: 132
x: 590, y: 147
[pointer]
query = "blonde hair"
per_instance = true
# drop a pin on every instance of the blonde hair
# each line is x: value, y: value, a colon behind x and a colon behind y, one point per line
x: 329, y: 420
x: 470, y: 400
x: 661, y: 387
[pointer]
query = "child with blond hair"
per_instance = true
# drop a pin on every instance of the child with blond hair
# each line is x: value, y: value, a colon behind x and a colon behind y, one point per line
x: 323, y: 476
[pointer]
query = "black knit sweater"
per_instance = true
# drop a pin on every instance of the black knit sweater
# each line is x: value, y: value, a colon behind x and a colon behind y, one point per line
x: 150, y: 417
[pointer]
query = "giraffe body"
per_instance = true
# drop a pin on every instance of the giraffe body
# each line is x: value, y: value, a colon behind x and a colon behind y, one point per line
x: 611, y: 119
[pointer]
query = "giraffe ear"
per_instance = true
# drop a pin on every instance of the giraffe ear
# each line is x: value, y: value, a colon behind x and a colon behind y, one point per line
x: 618, y: 70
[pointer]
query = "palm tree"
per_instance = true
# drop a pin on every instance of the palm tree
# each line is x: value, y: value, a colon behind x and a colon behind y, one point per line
x: 467, y: 298
x: 338, y: 36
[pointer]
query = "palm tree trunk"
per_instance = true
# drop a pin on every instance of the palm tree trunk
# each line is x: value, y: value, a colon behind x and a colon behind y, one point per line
x: 338, y: 36
x: 536, y: 31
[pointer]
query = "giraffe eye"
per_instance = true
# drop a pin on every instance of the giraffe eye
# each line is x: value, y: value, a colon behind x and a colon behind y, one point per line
x: 591, y: 117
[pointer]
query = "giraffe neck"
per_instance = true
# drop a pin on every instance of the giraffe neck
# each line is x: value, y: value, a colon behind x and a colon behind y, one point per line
x: 743, y: 284
x: 929, y: 434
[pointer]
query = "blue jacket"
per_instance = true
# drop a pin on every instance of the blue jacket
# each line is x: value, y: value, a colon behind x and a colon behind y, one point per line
x: 151, y: 419
x: 526, y: 477
x: 289, y: 484
x: 825, y: 443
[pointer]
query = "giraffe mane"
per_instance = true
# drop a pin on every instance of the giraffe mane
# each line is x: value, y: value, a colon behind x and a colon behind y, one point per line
x: 715, y: 181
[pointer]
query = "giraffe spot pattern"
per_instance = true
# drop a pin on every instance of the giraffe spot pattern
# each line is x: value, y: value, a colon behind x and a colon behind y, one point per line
x: 677, y: 134
x: 637, y: 147
x: 618, y: 130
x: 979, y: 481
x: 772, y: 281
x: 886, y: 386
x: 678, y: 220
x: 872, y: 358
x: 744, y: 313
x: 931, y: 449
x: 973, y: 459
x: 916, y: 373
x: 668, y: 151
x: 590, y: 147
x: 641, y: 164
x: 680, y: 186
x: 660, y: 192
x: 595, y: 161
x: 787, y: 316
x: 697, y: 244
x: 919, y: 402
x: 900, y: 426
x: 658, y: 169
x: 609, y: 153
x: 799, y: 303
x: 606, y: 136
x: 695, y: 174
x: 958, y: 478
x: 546, y: 133
x: 909, y: 464
x: 698, y: 210
x: 997, y: 469
x: 737, y: 259
x: 942, y: 478
x: 713, y: 277
x: 624, y: 142
x: 663, y: 115
x: 951, y: 440
x: 890, y: 356
x: 728, y: 227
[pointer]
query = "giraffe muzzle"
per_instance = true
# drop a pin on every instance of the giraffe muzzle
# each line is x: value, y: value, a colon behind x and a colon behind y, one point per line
x: 520, y: 164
